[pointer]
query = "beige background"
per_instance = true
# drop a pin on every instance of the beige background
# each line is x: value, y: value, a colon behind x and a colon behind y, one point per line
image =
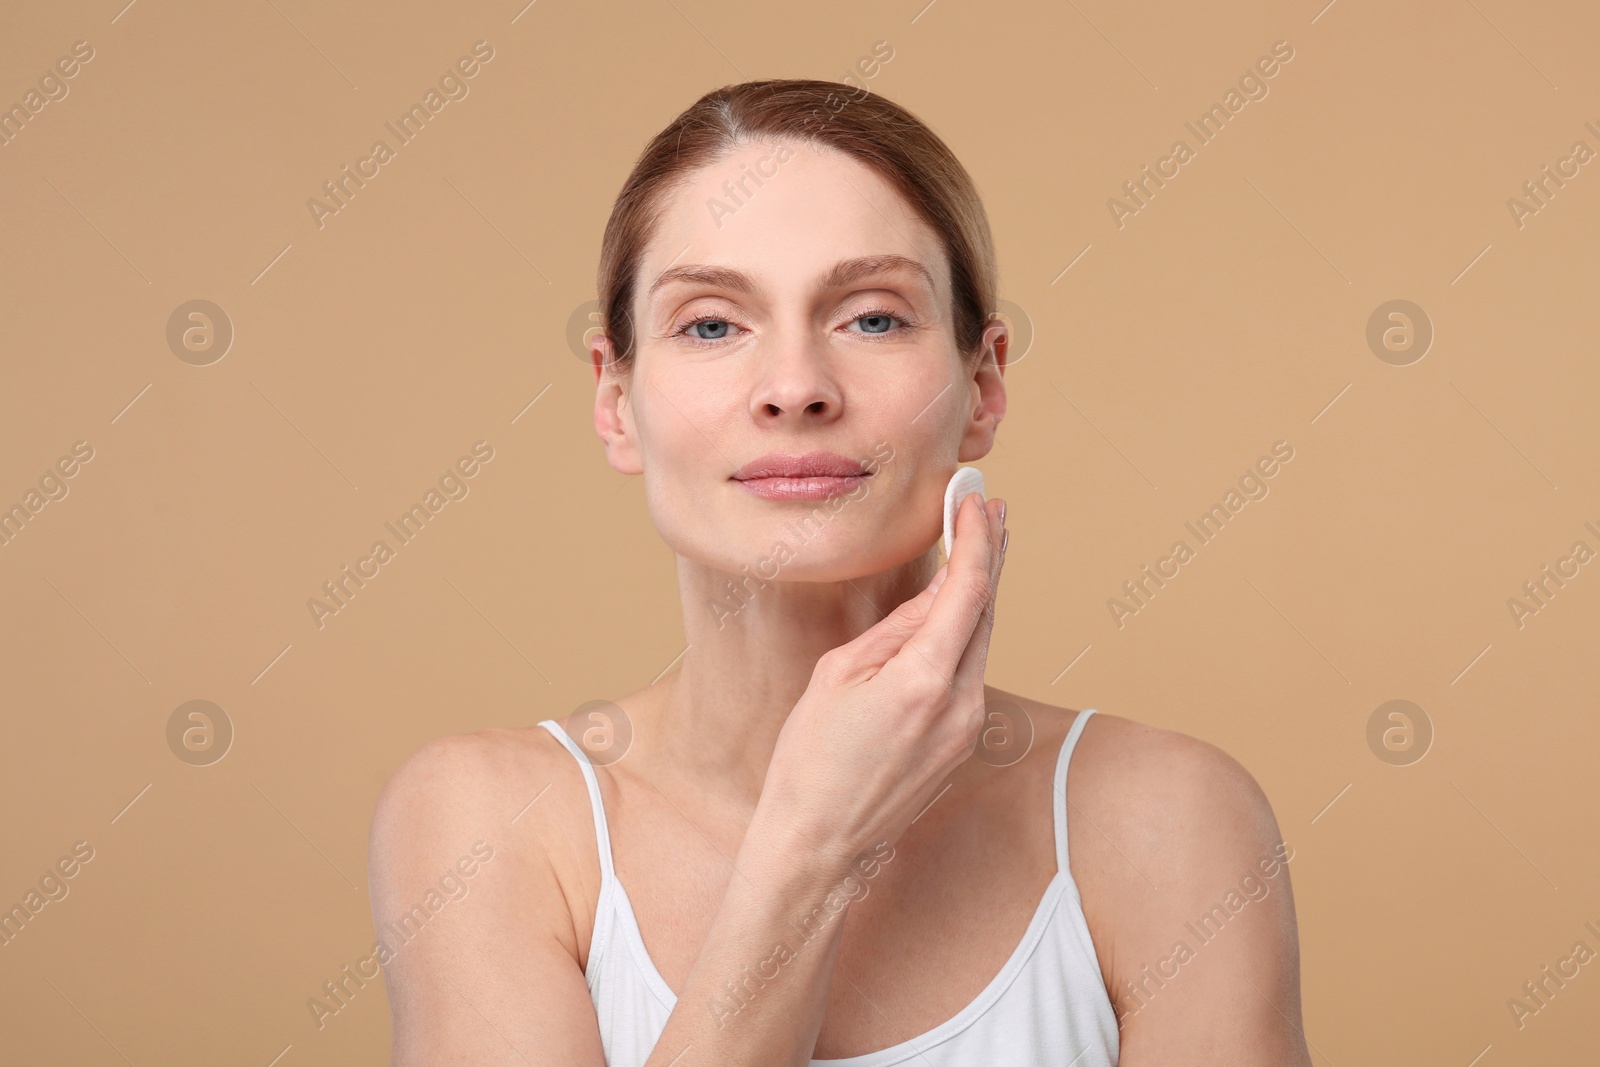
x: 429, y: 313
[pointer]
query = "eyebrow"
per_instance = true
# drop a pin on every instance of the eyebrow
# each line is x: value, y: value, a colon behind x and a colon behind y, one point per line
x: 845, y: 272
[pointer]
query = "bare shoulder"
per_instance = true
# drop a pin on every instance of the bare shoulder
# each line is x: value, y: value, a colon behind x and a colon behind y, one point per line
x: 515, y: 790
x: 1148, y: 781
x: 467, y: 859
x: 1161, y: 817
x: 471, y: 785
x: 1172, y: 842
x: 1163, y: 788
x: 471, y: 775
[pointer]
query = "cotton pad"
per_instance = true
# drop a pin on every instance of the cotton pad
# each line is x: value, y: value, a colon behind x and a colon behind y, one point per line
x: 965, y: 480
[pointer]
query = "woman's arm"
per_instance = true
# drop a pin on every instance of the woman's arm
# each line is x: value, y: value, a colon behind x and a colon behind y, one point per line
x: 759, y: 989
x: 482, y: 969
x: 884, y: 720
x: 1185, y: 878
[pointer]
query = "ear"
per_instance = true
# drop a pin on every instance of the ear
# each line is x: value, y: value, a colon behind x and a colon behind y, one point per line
x: 987, y: 393
x: 613, y: 414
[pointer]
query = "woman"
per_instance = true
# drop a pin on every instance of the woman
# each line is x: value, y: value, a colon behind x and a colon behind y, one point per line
x: 822, y: 862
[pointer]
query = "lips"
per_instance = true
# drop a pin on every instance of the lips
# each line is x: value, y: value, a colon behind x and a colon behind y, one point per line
x: 812, y: 476
x: 809, y: 465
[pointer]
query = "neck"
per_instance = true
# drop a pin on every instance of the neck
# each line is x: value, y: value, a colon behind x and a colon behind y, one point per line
x: 750, y: 657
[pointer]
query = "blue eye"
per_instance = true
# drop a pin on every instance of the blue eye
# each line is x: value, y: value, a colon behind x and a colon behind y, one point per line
x: 879, y: 322
x: 710, y: 329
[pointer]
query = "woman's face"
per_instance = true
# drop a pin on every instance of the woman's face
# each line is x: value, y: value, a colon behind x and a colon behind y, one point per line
x: 791, y: 303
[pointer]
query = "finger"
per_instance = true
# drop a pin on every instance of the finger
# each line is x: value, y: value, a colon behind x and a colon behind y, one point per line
x: 875, y: 647
x: 969, y: 672
x: 959, y: 603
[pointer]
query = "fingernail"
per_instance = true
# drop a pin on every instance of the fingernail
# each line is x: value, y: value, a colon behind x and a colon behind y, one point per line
x: 938, y: 579
x: 1002, y: 511
x: 1005, y: 539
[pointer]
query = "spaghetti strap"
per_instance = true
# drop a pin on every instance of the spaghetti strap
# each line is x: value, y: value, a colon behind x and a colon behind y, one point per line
x: 1055, y: 964
x: 602, y: 835
x: 1060, y: 794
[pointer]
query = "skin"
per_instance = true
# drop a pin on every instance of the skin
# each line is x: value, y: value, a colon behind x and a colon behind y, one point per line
x: 1161, y: 826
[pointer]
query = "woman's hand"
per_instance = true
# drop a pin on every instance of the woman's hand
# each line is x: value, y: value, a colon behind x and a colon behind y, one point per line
x: 889, y: 715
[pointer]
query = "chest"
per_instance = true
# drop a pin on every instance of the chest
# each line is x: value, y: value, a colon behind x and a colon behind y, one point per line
x: 930, y: 925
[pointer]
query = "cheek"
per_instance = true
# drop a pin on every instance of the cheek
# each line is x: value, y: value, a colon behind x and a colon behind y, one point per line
x: 686, y: 460
x: 929, y: 389
x: 686, y: 427
x: 915, y: 395
x: 905, y: 506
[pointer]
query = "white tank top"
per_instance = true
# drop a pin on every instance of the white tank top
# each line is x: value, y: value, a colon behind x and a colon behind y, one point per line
x: 1048, y: 1006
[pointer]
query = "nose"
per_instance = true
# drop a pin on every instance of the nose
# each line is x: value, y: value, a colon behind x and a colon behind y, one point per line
x: 796, y: 384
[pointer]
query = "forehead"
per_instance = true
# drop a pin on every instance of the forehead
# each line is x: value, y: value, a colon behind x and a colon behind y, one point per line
x: 788, y: 223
